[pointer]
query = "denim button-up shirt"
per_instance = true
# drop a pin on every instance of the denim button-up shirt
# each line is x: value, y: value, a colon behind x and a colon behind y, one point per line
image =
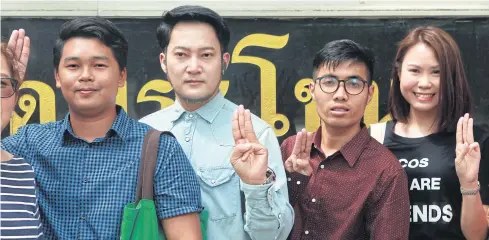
x: 206, y: 138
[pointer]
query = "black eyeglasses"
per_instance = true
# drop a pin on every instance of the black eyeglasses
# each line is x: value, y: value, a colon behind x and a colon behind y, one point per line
x: 331, y: 84
x: 9, y: 87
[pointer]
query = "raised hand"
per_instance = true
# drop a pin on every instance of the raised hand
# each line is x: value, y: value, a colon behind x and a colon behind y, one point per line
x: 299, y: 160
x: 20, y: 45
x: 467, y: 153
x: 249, y: 157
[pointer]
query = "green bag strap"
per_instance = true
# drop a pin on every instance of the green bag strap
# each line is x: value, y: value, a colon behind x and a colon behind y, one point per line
x: 147, y: 166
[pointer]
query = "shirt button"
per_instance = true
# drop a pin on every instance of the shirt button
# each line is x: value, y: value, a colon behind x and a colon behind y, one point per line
x: 298, y: 182
x: 85, y: 180
x: 322, y: 166
x: 313, y: 200
x: 306, y: 232
x: 289, y: 179
x: 279, y: 216
x: 190, y: 115
x: 83, y: 217
x: 187, y: 139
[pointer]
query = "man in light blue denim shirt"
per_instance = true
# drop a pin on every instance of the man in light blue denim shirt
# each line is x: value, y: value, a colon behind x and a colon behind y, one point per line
x: 231, y: 150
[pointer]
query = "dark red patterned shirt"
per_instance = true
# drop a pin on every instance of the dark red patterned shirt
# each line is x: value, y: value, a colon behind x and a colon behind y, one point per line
x: 359, y: 192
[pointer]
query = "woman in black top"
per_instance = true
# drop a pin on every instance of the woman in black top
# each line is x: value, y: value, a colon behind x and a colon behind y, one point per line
x: 432, y: 136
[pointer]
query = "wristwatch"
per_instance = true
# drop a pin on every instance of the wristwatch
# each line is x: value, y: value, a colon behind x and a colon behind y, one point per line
x: 471, y: 191
x: 270, y: 176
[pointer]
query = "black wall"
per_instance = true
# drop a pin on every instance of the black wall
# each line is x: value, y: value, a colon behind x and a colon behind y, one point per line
x: 292, y: 62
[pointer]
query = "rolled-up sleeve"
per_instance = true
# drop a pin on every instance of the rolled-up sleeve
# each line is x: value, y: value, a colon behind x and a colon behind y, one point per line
x: 176, y: 187
x: 269, y: 214
x: 17, y: 144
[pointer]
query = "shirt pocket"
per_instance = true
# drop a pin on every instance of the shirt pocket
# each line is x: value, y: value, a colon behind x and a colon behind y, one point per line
x: 221, y: 192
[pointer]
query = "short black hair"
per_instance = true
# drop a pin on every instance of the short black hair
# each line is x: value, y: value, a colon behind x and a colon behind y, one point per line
x: 338, y: 51
x: 189, y: 13
x: 93, y: 27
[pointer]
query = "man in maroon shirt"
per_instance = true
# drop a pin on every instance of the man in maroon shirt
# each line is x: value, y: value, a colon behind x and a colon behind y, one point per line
x: 342, y: 183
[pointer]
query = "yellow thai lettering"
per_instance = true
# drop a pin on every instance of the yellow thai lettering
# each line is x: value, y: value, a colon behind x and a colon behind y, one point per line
x: 268, y: 78
x: 28, y: 104
x: 121, y: 98
x: 371, y: 115
x: 158, y: 85
x: 303, y: 94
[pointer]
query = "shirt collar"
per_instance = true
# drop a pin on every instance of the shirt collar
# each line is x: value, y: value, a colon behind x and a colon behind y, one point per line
x: 352, y: 149
x: 120, y: 126
x: 208, y: 112
x: 175, y: 111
